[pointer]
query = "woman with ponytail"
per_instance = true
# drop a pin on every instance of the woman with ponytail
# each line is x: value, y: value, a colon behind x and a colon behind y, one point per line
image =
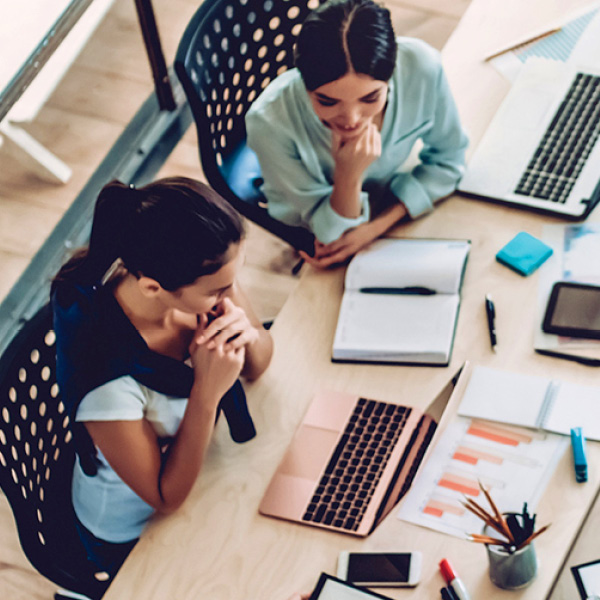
x: 153, y: 332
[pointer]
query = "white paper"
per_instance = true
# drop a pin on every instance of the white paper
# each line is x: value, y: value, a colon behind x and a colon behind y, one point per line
x: 577, y: 42
x: 504, y: 396
x: 517, y: 399
x: 434, y: 264
x: 395, y: 325
x: 575, y: 406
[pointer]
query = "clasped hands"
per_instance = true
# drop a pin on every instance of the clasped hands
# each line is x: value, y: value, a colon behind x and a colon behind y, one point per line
x: 218, y: 348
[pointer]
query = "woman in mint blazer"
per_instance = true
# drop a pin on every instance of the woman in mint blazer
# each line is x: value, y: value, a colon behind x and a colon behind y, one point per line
x: 333, y: 134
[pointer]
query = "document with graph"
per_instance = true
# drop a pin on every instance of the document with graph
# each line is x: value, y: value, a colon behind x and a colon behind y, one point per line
x: 514, y: 463
x: 576, y: 41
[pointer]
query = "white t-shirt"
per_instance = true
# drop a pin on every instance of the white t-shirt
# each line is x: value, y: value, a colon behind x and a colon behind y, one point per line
x: 104, y: 503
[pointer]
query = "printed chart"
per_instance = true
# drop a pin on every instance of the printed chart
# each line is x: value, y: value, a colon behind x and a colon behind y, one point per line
x: 575, y: 42
x: 514, y: 463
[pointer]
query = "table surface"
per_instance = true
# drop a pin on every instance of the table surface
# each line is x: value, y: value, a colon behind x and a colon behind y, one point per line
x: 218, y: 546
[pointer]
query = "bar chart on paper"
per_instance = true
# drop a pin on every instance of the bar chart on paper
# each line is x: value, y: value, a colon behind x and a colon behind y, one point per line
x: 514, y: 463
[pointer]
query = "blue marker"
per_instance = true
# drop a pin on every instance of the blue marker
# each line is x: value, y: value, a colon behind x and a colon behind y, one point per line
x: 579, y: 459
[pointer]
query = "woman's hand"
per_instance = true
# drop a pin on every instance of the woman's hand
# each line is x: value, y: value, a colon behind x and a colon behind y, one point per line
x: 354, y: 240
x: 352, y: 157
x: 345, y: 247
x: 216, y: 368
x: 231, y: 329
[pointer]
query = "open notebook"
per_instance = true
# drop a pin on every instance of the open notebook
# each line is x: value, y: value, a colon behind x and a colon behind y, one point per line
x: 532, y: 401
x: 401, y: 302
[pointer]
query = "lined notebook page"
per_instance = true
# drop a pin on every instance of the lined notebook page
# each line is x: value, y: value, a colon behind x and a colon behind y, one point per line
x: 436, y: 264
x: 425, y: 325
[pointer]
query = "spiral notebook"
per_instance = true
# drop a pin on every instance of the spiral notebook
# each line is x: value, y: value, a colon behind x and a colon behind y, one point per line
x: 532, y: 401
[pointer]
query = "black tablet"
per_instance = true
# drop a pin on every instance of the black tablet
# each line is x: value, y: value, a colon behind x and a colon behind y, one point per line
x: 573, y: 310
x: 332, y: 588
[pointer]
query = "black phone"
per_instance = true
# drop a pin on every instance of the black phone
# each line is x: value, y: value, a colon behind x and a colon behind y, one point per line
x: 573, y: 310
x: 389, y: 569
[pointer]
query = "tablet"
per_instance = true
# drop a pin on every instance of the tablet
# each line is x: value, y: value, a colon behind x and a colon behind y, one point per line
x: 332, y: 588
x: 573, y: 310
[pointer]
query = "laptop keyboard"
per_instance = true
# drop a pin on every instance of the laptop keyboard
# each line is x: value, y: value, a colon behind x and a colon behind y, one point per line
x: 347, y: 485
x: 566, y: 145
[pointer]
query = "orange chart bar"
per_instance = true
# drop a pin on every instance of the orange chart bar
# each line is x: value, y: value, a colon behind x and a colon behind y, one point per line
x: 472, y: 456
x: 494, y: 433
x: 436, y: 508
x: 459, y: 484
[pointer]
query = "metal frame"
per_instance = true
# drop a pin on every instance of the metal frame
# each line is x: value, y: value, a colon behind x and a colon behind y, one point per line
x: 135, y: 158
x: 39, y: 57
x: 156, y: 57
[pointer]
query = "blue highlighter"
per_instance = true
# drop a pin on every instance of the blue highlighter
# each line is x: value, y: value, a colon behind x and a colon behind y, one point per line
x: 579, y: 459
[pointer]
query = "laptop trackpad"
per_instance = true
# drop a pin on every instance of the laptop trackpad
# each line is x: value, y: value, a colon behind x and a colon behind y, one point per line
x: 309, y: 452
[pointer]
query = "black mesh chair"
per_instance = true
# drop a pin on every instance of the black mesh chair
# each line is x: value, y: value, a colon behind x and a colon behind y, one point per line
x: 36, y: 460
x: 229, y: 53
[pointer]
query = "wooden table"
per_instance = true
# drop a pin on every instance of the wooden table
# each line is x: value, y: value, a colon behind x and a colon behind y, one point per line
x: 217, y: 546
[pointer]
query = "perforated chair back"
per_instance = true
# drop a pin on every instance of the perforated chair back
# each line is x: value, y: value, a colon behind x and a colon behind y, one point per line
x: 37, y: 458
x: 230, y: 51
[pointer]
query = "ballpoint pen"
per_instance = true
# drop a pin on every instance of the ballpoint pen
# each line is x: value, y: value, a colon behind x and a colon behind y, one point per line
x: 448, y: 594
x: 413, y: 290
x: 490, y: 310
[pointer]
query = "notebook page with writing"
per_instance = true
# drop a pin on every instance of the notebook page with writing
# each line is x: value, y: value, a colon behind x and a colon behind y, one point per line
x: 434, y: 264
x: 396, y: 326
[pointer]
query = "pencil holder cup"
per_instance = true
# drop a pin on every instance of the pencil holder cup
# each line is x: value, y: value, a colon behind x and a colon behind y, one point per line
x: 512, y: 571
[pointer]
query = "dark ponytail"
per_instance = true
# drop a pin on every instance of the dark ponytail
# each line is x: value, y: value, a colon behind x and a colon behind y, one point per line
x: 173, y: 230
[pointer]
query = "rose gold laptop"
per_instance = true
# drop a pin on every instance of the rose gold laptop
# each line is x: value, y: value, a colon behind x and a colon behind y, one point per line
x: 351, y: 460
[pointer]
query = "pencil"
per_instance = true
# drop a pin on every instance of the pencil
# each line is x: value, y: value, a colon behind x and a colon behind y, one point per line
x: 533, y: 536
x: 487, y: 519
x: 499, y: 515
x: 536, y: 38
x: 486, y: 539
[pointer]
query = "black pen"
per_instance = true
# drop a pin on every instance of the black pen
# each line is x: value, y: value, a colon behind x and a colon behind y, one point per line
x: 490, y: 310
x: 410, y: 290
x: 448, y: 593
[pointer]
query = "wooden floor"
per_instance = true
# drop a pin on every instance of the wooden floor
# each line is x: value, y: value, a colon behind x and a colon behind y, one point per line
x: 82, y: 119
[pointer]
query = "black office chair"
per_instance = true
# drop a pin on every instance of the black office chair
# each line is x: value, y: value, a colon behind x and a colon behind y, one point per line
x: 37, y: 458
x: 230, y: 51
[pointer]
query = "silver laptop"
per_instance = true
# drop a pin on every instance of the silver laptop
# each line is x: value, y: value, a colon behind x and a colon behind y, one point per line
x: 541, y: 149
x: 351, y: 460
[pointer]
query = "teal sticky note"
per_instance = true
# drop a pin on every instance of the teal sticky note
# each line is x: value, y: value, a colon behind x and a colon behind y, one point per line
x: 524, y: 253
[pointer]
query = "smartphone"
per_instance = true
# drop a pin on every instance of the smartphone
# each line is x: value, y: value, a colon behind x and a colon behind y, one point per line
x: 381, y: 569
x: 573, y: 310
